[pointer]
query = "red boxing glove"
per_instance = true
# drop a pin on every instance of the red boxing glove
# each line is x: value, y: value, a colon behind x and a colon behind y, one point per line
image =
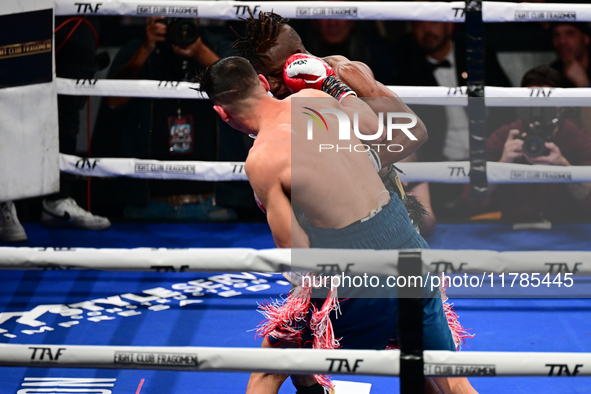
x: 302, y: 71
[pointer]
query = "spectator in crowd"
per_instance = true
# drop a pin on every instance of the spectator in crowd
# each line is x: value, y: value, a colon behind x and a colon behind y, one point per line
x: 355, y: 40
x: 568, y: 145
x: 429, y: 56
x: 571, y: 42
x: 76, y: 41
x: 145, y: 128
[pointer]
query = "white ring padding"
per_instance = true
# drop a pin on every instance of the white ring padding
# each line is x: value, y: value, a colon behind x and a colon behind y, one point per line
x: 360, y: 10
x: 425, y: 95
x: 153, y: 169
x: 301, y: 361
x: 355, y: 261
x: 294, y: 361
x: 441, y: 172
x: 148, y: 259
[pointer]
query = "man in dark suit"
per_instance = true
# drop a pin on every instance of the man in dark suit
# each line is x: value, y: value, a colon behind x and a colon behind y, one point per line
x: 429, y: 56
x: 571, y: 42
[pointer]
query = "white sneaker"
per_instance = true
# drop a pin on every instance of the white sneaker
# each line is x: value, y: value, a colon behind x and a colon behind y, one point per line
x: 11, y: 229
x: 66, y: 213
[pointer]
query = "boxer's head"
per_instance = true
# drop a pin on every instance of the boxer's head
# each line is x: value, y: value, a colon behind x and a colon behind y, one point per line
x: 268, y: 43
x: 235, y: 88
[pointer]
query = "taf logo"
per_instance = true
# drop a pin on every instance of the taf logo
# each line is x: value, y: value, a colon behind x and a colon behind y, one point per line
x: 86, y: 164
x: 86, y: 83
x: 83, y: 8
x: 560, y: 369
x: 459, y: 12
x: 342, y: 364
x: 556, y: 268
x: 243, y: 9
x: 448, y: 268
x: 168, y: 84
x: 334, y: 268
x: 540, y: 92
x: 45, y: 353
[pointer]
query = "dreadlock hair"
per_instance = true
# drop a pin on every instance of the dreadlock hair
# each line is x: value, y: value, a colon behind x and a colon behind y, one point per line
x: 261, y: 34
x: 228, y: 80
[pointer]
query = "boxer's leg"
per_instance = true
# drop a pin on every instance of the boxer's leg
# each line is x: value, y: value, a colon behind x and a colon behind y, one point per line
x: 437, y: 336
x: 267, y: 383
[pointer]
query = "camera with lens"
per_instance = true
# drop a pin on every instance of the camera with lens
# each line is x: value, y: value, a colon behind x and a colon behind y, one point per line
x: 541, y: 125
x: 181, y: 31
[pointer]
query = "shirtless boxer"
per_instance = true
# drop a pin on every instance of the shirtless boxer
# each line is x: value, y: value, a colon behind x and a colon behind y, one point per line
x: 354, y: 211
x: 270, y: 42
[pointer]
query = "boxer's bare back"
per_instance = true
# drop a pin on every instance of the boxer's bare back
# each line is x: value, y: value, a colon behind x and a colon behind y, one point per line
x: 334, y: 188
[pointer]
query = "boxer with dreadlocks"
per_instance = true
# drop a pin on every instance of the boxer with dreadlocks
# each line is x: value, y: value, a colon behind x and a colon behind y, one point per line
x: 276, y: 51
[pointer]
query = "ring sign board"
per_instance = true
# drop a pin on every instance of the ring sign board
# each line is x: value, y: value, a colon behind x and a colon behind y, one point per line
x: 29, y: 147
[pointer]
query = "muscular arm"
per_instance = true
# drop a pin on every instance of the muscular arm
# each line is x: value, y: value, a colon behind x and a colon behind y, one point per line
x: 360, y: 78
x: 270, y: 177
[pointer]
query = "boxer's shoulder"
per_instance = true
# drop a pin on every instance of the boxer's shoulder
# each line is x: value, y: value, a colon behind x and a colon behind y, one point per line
x: 310, y: 93
x: 341, y: 63
x: 336, y: 60
x: 269, y: 151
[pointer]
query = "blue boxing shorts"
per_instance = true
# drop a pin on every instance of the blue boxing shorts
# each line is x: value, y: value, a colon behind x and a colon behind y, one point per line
x: 372, y: 323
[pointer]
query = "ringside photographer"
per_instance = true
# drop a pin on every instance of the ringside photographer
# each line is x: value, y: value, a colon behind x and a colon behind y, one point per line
x: 542, y: 136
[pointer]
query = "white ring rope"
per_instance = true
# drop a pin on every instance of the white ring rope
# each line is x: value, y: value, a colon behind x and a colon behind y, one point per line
x: 153, y: 169
x: 426, y: 95
x: 439, y: 172
x: 443, y: 12
x: 447, y: 12
x: 298, y: 361
x: 375, y: 262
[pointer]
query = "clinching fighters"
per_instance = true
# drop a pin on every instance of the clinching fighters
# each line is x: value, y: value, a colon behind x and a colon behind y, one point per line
x: 346, y: 206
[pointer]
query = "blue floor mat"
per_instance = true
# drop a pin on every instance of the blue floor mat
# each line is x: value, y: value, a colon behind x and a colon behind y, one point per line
x: 205, y: 314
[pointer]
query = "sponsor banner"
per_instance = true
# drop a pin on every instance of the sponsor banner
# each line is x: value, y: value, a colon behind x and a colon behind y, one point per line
x: 38, y: 320
x: 539, y: 97
x: 460, y: 370
x: 27, y: 53
x: 444, y: 363
x: 445, y: 12
x: 153, y: 169
x: 144, y: 358
x: 523, y: 173
x: 535, y: 12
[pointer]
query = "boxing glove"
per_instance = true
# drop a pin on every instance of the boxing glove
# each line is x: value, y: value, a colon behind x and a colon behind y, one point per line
x: 302, y: 71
